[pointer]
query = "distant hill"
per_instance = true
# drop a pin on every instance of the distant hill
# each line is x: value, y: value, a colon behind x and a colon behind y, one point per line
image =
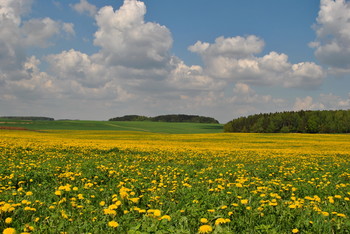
x: 337, y: 121
x: 33, y: 118
x: 167, y: 118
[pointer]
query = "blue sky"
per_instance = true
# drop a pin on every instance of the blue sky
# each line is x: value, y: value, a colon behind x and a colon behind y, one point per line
x: 88, y: 59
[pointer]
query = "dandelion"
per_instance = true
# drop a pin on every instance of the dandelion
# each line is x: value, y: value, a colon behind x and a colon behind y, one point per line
x: 220, y: 221
x: 244, y: 201
x: 9, y: 231
x: 205, y: 229
x: 295, y: 230
x: 203, y: 220
x: 58, y: 193
x: 102, y: 203
x: 167, y: 217
x: 8, y: 220
x: 113, y: 224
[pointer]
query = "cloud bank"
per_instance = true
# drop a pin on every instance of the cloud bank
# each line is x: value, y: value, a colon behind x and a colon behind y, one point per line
x: 134, y: 70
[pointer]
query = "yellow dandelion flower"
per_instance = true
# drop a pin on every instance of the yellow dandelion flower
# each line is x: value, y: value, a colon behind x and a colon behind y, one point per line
x: 220, y: 221
x: 167, y: 217
x: 157, y: 213
x: 295, y: 230
x: 9, y: 231
x: 205, y: 229
x: 244, y: 201
x: 8, y: 220
x: 341, y: 215
x: 324, y: 213
x: 102, y: 203
x: 203, y: 220
x: 113, y: 224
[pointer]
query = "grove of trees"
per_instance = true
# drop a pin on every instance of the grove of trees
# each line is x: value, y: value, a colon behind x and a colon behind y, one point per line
x: 167, y: 118
x: 327, y: 121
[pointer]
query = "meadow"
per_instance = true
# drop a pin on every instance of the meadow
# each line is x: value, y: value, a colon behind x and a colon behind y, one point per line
x: 107, y: 181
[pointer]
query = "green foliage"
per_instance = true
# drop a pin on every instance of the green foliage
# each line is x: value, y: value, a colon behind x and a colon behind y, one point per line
x: 293, y: 122
x: 33, y: 118
x: 167, y: 118
x: 140, y: 126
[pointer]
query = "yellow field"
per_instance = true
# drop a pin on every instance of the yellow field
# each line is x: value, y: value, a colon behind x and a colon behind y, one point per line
x: 136, y: 182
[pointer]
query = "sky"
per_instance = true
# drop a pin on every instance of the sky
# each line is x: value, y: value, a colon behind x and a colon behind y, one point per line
x: 99, y: 59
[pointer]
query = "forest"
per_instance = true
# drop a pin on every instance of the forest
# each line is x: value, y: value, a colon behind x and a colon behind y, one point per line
x: 167, y: 118
x: 326, y: 121
x: 31, y: 118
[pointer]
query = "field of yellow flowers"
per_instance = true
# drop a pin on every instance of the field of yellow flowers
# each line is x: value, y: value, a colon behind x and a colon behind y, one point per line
x: 136, y: 182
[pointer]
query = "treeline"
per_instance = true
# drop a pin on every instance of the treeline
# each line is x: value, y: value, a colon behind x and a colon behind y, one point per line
x: 32, y: 118
x: 167, y: 118
x: 337, y: 121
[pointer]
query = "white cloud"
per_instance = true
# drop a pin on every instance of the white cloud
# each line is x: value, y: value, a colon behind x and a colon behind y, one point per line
x: 191, y: 77
x: 85, y: 7
x: 334, y: 102
x: 307, y: 103
x: 332, y: 45
x: 37, y: 32
x: 235, y: 59
x: 77, y: 66
x: 324, y: 101
x: 234, y: 47
x: 68, y: 28
x: 126, y: 40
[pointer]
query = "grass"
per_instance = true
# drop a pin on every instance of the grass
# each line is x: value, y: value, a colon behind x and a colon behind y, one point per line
x: 105, y: 181
x: 143, y: 126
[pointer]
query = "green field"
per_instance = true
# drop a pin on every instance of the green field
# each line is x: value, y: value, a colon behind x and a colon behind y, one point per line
x: 143, y: 126
x: 104, y: 181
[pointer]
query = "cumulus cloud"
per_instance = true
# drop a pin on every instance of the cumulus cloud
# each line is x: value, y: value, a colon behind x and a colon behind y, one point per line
x: 85, y: 7
x: 307, y: 103
x: 127, y: 40
x: 68, y: 28
x: 332, y: 45
x: 324, y: 101
x: 236, y: 59
x: 332, y: 101
x: 37, y: 32
x: 134, y: 70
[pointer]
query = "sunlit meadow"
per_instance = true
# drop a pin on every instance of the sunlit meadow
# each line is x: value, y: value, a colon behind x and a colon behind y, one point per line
x: 135, y: 182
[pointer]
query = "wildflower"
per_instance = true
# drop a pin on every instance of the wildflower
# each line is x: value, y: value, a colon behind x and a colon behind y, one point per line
x: 324, y: 213
x: 167, y: 217
x: 29, y: 193
x: 28, y: 228
x: 135, y: 200
x: 205, y: 229
x: 203, y: 220
x: 102, y: 203
x: 341, y: 215
x: 220, y: 221
x: 157, y: 213
x: 113, y: 224
x: 244, y: 201
x: 8, y: 220
x: 9, y: 231
x: 58, y: 193
x: 295, y: 230
x: 109, y: 212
